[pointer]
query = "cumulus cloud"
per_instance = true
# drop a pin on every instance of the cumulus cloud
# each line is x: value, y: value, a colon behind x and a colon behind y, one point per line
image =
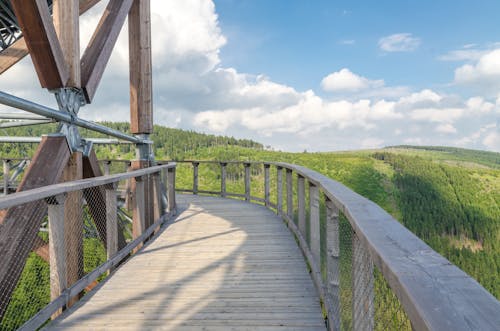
x: 193, y: 89
x: 399, y: 42
x: 345, y: 80
x: 482, y: 75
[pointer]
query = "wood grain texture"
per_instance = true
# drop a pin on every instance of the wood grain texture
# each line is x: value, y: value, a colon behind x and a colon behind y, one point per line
x: 66, y: 17
x: 97, y: 54
x: 435, y: 294
x: 57, y: 249
x: 20, y: 224
x: 18, y: 50
x: 73, y: 222
x: 42, y: 42
x: 210, y: 271
x: 141, y: 94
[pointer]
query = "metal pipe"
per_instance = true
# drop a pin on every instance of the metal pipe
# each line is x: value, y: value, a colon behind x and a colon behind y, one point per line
x: 15, y: 124
x: 20, y: 116
x: 15, y: 102
x: 34, y: 140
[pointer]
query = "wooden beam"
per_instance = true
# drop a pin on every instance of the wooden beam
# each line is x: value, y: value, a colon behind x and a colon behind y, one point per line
x: 73, y: 223
x: 20, y: 225
x: 41, y: 38
x: 17, y: 51
x: 139, y: 27
x: 96, y: 199
x: 66, y: 16
x: 98, y: 52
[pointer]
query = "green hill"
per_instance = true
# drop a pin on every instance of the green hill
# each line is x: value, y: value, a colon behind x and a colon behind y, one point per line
x: 450, y: 197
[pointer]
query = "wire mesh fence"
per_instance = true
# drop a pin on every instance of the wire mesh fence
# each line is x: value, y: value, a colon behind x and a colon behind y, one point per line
x: 49, y: 244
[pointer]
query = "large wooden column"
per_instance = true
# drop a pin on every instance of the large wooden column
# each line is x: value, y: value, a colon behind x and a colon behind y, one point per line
x: 139, y: 27
x: 73, y: 223
x: 66, y: 21
x: 141, y: 110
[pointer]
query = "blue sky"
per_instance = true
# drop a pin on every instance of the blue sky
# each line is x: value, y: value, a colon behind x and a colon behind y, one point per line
x: 314, y: 75
x: 299, y: 42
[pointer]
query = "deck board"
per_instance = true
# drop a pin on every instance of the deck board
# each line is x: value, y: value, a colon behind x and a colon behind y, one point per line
x: 220, y: 265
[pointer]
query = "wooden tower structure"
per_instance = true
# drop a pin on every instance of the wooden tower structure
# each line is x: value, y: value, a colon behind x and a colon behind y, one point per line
x: 48, y: 31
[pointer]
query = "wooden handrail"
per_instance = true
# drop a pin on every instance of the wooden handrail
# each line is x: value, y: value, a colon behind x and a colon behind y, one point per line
x: 56, y: 189
x: 434, y: 293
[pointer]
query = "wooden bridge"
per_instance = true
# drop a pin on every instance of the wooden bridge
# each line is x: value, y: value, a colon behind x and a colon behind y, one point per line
x: 272, y: 246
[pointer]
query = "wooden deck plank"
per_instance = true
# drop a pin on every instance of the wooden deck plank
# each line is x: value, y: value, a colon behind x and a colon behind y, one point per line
x: 220, y: 265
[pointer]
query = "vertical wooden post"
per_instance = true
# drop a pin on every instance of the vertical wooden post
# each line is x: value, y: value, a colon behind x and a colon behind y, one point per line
x: 223, y: 179
x: 301, y: 196
x: 57, y: 248
x: 267, y: 183
x: 6, y: 176
x: 66, y: 15
x: 139, y: 213
x: 73, y: 218
x: 314, y: 239
x: 279, y: 189
x: 247, y: 181
x: 362, y: 287
x: 157, y: 197
x: 106, y: 167
x: 289, y: 194
x: 139, y: 27
x: 332, y: 263
x: 172, y: 207
x: 195, y: 177
x: 129, y: 194
x: 111, y: 221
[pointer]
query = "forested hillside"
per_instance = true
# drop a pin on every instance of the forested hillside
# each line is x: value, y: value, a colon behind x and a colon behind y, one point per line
x: 449, y: 197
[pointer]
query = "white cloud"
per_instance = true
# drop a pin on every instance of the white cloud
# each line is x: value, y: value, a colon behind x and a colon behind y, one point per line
x: 345, y: 80
x: 194, y: 90
x: 492, y: 141
x: 483, y: 75
x: 372, y: 143
x: 446, y: 128
x: 399, y: 42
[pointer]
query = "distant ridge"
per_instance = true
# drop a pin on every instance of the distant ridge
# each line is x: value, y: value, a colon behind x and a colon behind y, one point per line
x: 487, y: 158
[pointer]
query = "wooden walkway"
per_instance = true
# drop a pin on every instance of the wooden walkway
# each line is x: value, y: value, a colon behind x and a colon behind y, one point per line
x: 220, y: 265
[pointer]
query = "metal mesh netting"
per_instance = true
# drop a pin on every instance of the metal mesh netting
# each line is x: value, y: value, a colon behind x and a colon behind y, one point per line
x: 366, y: 300
x: 85, y: 234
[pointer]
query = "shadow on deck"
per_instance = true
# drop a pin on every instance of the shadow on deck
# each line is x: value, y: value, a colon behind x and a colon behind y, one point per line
x: 220, y: 264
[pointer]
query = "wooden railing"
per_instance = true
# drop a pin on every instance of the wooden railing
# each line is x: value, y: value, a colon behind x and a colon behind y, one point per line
x: 431, y: 292
x: 158, y: 180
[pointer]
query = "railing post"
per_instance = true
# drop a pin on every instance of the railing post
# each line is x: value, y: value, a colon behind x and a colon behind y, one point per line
x: 172, y: 205
x: 106, y: 167
x: 279, y: 189
x: 289, y: 193
x: 301, y: 195
x: 57, y: 248
x: 195, y: 177
x: 158, y: 210
x: 314, y: 230
x: 332, y: 264
x: 267, y: 184
x: 6, y: 176
x: 223, y: 179
x: 247, y: 181
x: 111, y: 220
x: 362, y: 287
x: 139, y: 212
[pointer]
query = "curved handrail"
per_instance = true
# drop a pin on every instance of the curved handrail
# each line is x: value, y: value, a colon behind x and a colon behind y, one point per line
x: 435, y: 294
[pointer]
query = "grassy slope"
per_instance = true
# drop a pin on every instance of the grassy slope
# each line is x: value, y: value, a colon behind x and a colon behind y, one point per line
x: 452, y: 203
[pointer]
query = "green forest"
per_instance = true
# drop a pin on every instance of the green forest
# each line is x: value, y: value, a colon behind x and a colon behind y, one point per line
x: 449, y: 197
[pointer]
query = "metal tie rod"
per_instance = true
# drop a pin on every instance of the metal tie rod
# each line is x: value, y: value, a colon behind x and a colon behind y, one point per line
x: 34, y: 140
x: 15, y: 102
